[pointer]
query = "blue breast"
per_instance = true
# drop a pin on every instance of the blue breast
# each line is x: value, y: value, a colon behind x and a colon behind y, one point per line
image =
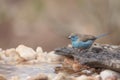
x: 81, y: 44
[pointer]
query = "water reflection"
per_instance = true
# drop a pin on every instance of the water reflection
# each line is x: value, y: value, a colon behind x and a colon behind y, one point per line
x: 23, y: 71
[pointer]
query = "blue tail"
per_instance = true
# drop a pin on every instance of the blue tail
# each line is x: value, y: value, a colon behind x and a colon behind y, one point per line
x: 102, y: 35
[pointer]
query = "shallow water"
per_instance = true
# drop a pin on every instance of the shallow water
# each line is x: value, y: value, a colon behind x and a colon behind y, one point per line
x: 23, y: 71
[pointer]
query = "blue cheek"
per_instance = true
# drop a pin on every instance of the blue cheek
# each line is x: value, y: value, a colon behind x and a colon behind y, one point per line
x: 73, y: 39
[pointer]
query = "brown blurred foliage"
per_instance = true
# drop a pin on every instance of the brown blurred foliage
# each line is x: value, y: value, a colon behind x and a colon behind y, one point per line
x: 46, y: 23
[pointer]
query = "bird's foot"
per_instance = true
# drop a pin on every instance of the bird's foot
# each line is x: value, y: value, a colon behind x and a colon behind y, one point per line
x: 80, y: 50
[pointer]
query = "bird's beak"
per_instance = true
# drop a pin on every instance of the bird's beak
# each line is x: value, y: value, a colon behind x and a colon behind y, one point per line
x: 69, y: 37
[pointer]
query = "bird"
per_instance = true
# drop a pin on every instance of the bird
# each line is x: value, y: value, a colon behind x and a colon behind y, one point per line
x: 83, y: 41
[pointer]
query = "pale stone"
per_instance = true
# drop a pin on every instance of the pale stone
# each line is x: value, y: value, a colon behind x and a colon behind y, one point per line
x: 54, y: 58
x: 109, y: 75
x: 42, y: 57
x: 39, y: 50
x: 8, y: 57
x: 26, y: 52
x: 5, y: 59
x: 86, y: 71
x: 76, y: 66
x: 69, y: 45
x: 68, y: 61
x: 30, y: 62
x: 97, y: 77
x: 38, y: 77
x: 51, y: 76
x: 61, y: 76
x: 2, y: 55
x: 2, y: 77
x: 83, y: 77
x: 13, y: 56
x: 15, y: 78
x: 114, y: 46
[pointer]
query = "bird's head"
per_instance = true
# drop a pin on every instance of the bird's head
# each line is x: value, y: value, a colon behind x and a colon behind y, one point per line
x: 73, y: 37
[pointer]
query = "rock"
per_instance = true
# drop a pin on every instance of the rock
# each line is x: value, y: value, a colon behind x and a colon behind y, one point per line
x: 54, y: 58
x: 61, y: 76
x: 109, y: 75
x: 76, y: 66
x: 2, y: 55
x: 13, y: 56
x: 38, y: 77
x: 69, y: 45
x: 86, y: 71
x: 83, y: 77
x: 114, y: 47
x: 15, y: 78
x: 26, y: 52
x: 51, y: 76
x: 30, y: 62
x: 2, y: 77
x: 97, y: 77
x: 42, y: 56
x: 98, y: 56
x: 68, y: 61
x: 39, y: 50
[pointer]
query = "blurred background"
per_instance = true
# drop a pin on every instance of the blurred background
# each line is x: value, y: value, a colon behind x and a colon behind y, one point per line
x: 47, y: 23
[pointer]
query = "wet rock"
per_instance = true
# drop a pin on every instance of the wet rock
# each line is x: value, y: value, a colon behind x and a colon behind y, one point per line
x: 96, y: 49
x: 26, y: 52
x: 109, y: 75
x: 98, y: 56
x: 38, y: 77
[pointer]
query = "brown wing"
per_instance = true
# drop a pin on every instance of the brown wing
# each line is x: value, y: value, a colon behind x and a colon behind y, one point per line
x: 86, y: 37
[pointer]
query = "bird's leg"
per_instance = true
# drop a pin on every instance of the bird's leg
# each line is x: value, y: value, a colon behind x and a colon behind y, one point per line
x: 84, y: 50
x: 81, y: 49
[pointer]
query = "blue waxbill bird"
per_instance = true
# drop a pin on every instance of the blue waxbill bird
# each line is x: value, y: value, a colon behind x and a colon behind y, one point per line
x: 83, y: 41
